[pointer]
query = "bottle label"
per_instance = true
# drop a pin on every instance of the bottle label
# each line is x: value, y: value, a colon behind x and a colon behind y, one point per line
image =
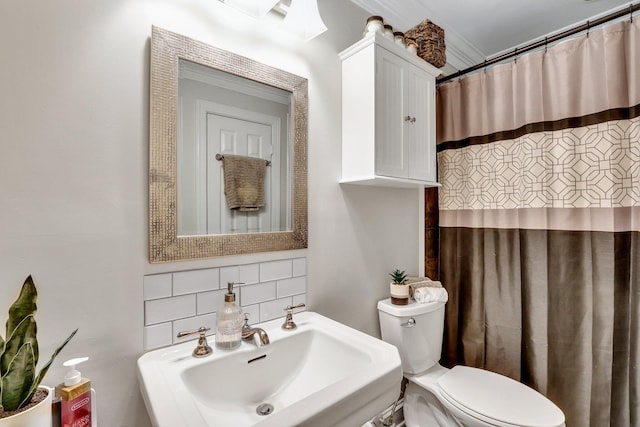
x: 77, y: 412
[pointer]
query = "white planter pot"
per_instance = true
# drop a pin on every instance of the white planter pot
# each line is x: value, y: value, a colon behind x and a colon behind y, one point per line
x: 399, y: 294
x: 36, y: 416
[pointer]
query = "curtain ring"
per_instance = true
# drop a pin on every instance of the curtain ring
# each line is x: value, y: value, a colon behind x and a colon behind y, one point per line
x: 588, y: 27
x: 485, y: 66
x: 515, y: 55
x: 546, y: 45
x: 631, y: 13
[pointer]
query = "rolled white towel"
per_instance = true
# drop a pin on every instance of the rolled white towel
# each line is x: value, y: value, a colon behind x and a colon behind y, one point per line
x: 430, y: 283
x: 429, y: 294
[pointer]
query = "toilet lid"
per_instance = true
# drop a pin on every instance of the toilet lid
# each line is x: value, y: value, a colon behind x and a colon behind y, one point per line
x: 499, y: 398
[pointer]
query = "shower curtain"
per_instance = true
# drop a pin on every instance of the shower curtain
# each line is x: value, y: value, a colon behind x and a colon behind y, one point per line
x: 539, y: 161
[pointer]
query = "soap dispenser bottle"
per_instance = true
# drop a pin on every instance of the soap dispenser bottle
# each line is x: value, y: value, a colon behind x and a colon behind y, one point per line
x: 76, y: 396
x: 229, y: 322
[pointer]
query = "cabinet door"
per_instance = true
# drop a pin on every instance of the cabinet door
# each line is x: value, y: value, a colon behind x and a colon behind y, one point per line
x: 391, y: 147
x: 421, y: 131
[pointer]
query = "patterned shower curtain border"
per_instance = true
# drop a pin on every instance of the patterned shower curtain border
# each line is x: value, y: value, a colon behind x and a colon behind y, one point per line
x: 596, y: 165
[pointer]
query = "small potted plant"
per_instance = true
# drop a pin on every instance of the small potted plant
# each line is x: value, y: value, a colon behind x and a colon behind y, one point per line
x: 399, y: 288
x: 22, y: 402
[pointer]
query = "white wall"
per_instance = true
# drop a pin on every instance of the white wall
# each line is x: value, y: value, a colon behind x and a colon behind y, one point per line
x: 73, y: 176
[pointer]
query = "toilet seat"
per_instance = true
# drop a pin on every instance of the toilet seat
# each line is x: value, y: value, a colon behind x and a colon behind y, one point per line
x: 496, y: 399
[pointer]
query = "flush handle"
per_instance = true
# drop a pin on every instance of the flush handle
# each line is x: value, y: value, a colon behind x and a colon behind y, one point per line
x: 410, y: 323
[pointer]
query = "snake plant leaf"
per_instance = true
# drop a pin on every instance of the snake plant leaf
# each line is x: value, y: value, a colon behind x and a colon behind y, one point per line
x: 18, y: 380
x: 23, y: 306
x: 45, y: 368
x: 24, y: 332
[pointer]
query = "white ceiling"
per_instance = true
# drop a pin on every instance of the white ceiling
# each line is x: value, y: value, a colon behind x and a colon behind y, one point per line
x: 476, y: 30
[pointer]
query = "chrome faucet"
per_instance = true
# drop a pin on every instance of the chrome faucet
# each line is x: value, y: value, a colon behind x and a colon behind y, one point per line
x: 248, y: 332
x: 202, y: 349
x: 289, y: 324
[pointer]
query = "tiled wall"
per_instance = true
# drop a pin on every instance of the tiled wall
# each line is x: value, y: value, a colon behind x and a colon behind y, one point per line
x: 187, y: 300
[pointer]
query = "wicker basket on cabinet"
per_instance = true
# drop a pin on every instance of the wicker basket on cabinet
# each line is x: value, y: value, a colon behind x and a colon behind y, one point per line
x: 430, y: 40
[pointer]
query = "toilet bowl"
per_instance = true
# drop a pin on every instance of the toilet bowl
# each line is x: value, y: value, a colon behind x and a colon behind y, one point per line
x: 461, y: 396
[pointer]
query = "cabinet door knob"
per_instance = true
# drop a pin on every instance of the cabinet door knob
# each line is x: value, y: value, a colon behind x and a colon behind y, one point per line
x: 407, y: 119
x: 413, y: 119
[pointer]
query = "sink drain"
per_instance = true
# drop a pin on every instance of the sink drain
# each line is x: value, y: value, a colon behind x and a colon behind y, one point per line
x: 264, y: 409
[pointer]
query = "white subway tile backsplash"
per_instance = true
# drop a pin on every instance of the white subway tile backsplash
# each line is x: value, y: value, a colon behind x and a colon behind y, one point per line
x: 274, y: 309
x: 167, y: 309
x: 252, y: 294
x: 253, y: 311
x: 275, y: 270
x: 156, y: 336
x: 208, y: 302
x: 293, y: 286
x: 188, y: 282
x: 187, y: 300
x: 299, y: 299
x: 229, y: 274
x: 157, y: 286
x: 299, y: 267
x: 192, y: 324
x: 250, y: 273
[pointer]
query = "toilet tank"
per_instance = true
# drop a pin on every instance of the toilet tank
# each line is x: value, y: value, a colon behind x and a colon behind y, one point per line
x: 419, y: 341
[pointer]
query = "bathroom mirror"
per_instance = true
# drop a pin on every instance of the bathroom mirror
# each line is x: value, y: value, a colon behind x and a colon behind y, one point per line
x: 206, y: 102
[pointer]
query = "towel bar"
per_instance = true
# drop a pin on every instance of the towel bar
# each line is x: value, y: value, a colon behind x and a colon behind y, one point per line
x: 220, y: 157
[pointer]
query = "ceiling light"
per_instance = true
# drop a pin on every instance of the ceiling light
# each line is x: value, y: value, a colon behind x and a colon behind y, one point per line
x: 255, y: 8
x: 304, y: 20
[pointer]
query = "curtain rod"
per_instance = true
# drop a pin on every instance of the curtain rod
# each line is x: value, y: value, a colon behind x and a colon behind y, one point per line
x: 547, y: 40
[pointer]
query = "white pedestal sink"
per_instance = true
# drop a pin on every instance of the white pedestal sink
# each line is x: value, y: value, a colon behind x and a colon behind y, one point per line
x: 321, y: 374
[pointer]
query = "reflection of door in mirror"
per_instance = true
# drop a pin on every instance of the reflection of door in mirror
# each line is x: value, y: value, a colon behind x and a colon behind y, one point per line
x: 219, y: 113
x: 244, y: 135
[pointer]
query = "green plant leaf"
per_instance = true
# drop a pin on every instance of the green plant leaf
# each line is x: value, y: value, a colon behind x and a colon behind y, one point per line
x: 399, y: 277
x: 23, y: 306
x: 45, y: 368
x: 18, y: 380
x: 19, y: 353
x: 24, y: 332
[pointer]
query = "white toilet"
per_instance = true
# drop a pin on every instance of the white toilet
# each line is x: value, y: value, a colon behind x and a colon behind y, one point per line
x: 462, y: 396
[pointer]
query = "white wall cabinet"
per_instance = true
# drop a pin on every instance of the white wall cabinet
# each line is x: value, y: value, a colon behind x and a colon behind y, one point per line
x: 388, y: 115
